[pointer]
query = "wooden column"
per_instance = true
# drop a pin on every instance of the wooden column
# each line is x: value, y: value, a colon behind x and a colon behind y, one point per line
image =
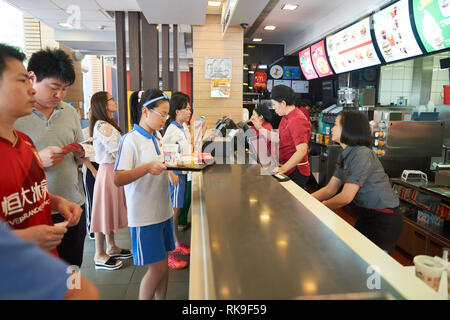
x: 165, y: 57
x: 176, y: 74
x: 121, y: 70
x: 150, y: 54
x: 134, y: 48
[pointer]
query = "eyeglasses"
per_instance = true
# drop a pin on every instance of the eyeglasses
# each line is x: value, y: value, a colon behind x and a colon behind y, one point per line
x: 163, y: 117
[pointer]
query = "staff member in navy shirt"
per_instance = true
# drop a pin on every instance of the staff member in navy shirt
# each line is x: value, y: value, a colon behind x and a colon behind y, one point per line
x: 364, y: 182
x: 293, y: 136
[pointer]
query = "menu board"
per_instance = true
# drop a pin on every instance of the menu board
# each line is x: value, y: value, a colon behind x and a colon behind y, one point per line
x: 319, y: 59
x: 352, y: 48
x: 394, y: 33
x: 300, y: 86
x: 282, y: 82
x: 432, y: 19
x: 306, y: 64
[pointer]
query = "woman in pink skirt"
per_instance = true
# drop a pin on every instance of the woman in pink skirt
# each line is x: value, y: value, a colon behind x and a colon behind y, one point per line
x: 109, y: 213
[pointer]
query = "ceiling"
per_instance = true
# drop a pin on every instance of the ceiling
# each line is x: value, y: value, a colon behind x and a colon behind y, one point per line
x: 294, y: 29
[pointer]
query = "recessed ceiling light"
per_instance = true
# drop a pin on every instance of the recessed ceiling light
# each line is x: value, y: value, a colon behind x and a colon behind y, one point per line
x: 288, y: 6
x: 214, y: 3
x: 270, y: 28
x: 257, y: 39
x: 65, y: 25
x: 262, y: 66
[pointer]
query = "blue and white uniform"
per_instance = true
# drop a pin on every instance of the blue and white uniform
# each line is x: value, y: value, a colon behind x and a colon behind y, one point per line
x: 180, y: 135
x: 150, y: 214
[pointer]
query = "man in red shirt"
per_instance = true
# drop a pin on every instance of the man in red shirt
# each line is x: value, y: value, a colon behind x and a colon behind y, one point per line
x: 294, y: 132
x: 26, y: 203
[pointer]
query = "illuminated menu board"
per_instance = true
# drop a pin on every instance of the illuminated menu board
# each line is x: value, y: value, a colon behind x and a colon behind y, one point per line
x: 352, y: 48
x: 394, y: 34
x: 306, y: 64
x: 432, y: 20
x: 319, y: 59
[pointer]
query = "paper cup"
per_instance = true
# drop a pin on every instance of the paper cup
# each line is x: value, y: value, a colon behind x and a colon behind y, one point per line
x: 171, y: 154
x: 429, y: 270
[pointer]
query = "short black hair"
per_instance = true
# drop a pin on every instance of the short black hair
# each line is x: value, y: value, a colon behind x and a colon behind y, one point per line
x: 282, y: 92
x: 355, y: 129
x: 52, y: 63
x: 7, y: 51
x: 263, y: 110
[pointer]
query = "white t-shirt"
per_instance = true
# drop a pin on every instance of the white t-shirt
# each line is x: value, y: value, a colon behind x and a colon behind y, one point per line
x: 106, y: 142
x: 148, y: 198
x: 179, y: 134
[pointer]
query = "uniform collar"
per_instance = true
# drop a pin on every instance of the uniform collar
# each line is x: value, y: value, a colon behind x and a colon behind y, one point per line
x: 144, y: 132
x: 177, y: 124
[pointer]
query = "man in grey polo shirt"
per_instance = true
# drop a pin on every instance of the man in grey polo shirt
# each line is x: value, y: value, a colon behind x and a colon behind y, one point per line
x: 52, y: 125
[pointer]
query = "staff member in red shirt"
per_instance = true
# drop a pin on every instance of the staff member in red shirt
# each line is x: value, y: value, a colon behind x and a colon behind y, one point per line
x: 294, y: 132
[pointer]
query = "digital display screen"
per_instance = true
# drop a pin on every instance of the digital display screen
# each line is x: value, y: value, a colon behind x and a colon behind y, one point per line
x: 432, y: 20
x: 394, y: 34
x: 306, y: 64
x: 352, y: 48
x: 320, y: 60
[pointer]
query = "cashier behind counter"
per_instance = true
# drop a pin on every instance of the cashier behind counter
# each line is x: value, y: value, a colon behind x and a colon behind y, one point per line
x: 294, y: 132
x: 364, y: 182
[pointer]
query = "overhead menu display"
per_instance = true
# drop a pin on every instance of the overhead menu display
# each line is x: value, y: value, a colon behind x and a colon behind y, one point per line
x: 320, y: 60
x: 394, y: 33
x: 306, y: 64
x: 432, y: 19
x: 352, y: 48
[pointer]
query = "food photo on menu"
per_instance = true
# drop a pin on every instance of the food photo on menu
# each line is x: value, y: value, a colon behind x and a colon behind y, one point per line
x: 394, y: 33
x: 319, y: 59
x: 432, y: 19
x: 352, y: 48
x: 306, y: 64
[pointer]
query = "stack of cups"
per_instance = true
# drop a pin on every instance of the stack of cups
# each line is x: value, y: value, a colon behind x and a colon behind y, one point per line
x: 429, y: 270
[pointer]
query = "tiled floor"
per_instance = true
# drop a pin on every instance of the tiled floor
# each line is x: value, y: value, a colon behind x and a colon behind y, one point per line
x: 123, y: 284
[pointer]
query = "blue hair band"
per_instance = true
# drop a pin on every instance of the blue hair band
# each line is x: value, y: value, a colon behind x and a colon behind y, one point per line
x: 164, y: 96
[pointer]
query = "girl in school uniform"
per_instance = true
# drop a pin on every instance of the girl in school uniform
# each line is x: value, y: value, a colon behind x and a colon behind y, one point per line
x: 363, y: 181
x: 177, y: 132
x: 140, y: 169
x: 109, y: 212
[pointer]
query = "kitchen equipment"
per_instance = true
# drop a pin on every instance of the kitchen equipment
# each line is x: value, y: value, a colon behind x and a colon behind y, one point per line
x: 414, y: 176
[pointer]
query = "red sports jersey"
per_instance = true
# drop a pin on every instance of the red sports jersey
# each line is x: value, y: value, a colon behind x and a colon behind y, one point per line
x: 24, y: 196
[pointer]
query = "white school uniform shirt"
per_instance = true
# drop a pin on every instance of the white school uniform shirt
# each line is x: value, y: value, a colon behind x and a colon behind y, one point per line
x: 179, y: 134
x: 148, y: 198
x: 106, y: 142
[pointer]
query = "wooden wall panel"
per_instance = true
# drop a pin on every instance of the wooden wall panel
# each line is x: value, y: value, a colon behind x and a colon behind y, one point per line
x: 208, y: 42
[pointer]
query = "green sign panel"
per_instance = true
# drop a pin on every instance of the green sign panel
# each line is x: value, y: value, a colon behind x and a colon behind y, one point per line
x: 432, y: 18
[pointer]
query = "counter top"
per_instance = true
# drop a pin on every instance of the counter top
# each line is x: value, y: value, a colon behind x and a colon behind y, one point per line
x: 256, y: 238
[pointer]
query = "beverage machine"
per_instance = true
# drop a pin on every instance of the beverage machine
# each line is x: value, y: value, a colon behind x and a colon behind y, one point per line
x: 402, y: 142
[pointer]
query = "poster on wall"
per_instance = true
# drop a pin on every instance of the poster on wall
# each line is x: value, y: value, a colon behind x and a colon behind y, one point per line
x: 220, y: 88
x: 394, y: 34
x: 352, y: 48
x: 320, y: 60
x: 300, y: 86
x: 276, y: 71
x: 306, y: 64
x: 432, y: 20
x: 218, y: 68
x: 291, y: 72
x: 260, y: 80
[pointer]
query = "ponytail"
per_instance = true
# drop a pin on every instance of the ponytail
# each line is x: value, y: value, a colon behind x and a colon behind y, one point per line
x: 137, y: 104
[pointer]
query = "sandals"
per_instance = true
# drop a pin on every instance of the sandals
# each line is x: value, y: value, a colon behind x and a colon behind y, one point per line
x: 111, y: 264
x: 122, y: 255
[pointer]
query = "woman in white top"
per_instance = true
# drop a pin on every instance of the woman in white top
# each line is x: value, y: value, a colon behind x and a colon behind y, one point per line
x: 177, y: 132
x: 109, y: 212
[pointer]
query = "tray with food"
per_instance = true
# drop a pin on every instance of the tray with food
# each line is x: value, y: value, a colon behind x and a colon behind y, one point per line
x: 192, y: 162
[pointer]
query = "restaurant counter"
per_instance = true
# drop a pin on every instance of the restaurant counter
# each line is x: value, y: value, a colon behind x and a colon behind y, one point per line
x: 254, y: 237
